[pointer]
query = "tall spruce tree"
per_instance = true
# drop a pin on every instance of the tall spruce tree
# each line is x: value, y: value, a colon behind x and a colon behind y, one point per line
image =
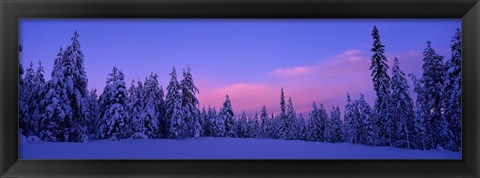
x: 290, y: 118
x: 178, y: 127
x: 335, y: 129
x: 453, y: 91
x: 349, y: 121
x: 420, y: 132
x: 189, y: 100
x: 58, y: 109
x: 283, y: 123
x: 432, y: 79
x: 366, y: 119
x: 264, y: 122
x: 227, y: 116
x: 254, y: 127
x: 381, y: 85
x: 116, y: 114
x: 173, y: 91
x: 76, y: 80
x: 242, y: 127
x: 401, y: 109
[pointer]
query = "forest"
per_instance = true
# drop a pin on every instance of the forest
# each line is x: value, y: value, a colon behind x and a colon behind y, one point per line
x: 62, y: 109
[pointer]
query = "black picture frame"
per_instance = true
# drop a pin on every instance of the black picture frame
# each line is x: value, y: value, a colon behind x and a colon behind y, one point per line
x: 12, y: 10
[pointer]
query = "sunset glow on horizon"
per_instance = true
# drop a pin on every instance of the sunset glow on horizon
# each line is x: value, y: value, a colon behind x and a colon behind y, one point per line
x: 314, y: 60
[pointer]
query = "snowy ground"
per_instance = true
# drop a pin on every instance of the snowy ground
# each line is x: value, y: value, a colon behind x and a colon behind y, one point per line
x: 220, y: 148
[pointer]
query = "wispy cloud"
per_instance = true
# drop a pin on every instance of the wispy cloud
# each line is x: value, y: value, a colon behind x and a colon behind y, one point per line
x: 325, y: 82
x: 292, y: 71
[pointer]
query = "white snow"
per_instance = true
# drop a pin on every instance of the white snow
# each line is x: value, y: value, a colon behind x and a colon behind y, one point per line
x: 220, y: 148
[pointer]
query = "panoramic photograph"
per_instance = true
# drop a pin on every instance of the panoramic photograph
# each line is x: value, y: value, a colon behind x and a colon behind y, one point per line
x: 229, y: 89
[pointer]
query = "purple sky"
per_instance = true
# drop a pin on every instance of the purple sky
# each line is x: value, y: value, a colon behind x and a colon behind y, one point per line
x: 313, y: 60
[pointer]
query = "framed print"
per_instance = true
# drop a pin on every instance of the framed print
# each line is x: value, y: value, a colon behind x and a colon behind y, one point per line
x: 248, y: 88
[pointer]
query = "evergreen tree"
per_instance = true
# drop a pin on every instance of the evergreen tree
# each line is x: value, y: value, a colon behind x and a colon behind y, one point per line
x: 381, y: 85
x: 218, y: 123
x: 189, y: 100
x: 453, y: 91
x: 349, y: 121
x: 283, y: 125
x: 419, y: 126
x: 173, y: 91
x: 290, y: 118
x: 76, y: 80
x: 265, y: 122
x: 254, y: 127
x: 28, y: 105
x: 366, y: 119
x: 335, y: 129
x: 317, y: 123
x: 198, y: 128
x: 116, y: 114
x: 301, y: 128
x: 432, y: 79
x: 205, y: 123
x: 94, y: 112
x: 402, y: 106
x: 58, y: 109
x: 38, y: 95
x: 153, y: 108
x: 226, y: 115
x: 178, y: 127
x: 242, y: 127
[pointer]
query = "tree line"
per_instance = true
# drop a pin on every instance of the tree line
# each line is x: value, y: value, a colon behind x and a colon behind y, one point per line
x: 62, y: 109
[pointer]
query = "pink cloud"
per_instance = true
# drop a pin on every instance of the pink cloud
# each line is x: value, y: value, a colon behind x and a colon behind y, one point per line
x: 292, y: 71
x: 331, y: 80
x: 325, y: 82
x: 241, y: 96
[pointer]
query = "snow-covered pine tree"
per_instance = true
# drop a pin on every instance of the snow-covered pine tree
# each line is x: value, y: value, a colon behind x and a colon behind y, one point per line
x: 21, y: 102
x: 137, y: 108
x: 38, y: 95
x: 58, y: 111
x: 401, y: 110
x: 133, y: 112
x: 161, y: 104
x: 432, y: 79
x: 283, y: 123
x: 116, y: 114
x: 301, y: 128
x: 335, y: 127
x: 366, y: 119
x: 205, y: 122
x: 76, y: 79
x: 419, y: 134
x: 264, y: 122
x: 381, y: 85
x: 189, y: 100
x: 323, y: 116
x: 290, y: 120
x: 28, y: 104
x: 227, y: 116
x: 153, y: 108
x: 178, y: 127
x: 316, y: 124
x: 453, y: 91
x: 173, y: 90
x: 242, y: 127
x: 254, y: 127
x: 218, y: 123
x: 198, y: 128
x: 349, y: 120
x: 358, y: 135
x: 94, y: 112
